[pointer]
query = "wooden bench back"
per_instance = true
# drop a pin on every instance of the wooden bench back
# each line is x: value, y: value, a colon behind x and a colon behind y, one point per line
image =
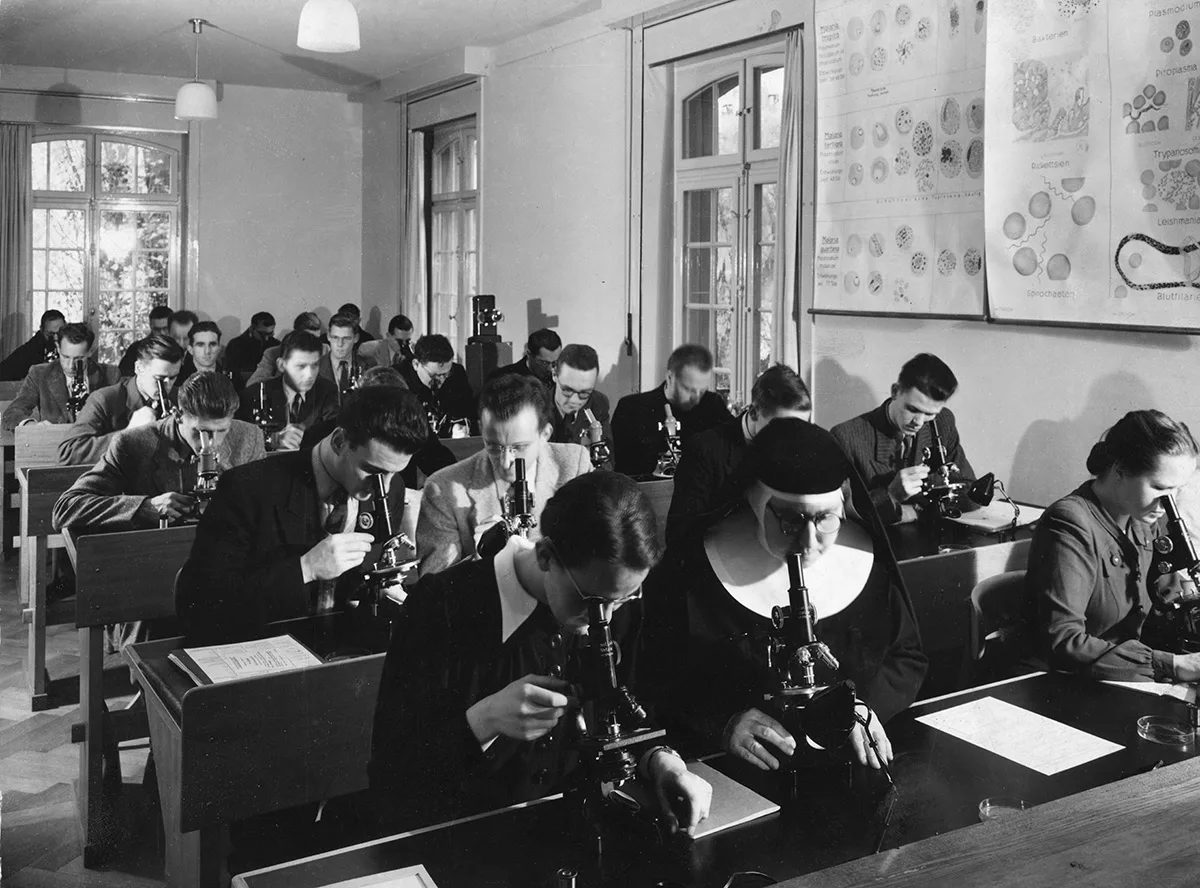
x: 9, y: 389
x: 37, y: 445
x: 128, y: 575
x: 41, y: 486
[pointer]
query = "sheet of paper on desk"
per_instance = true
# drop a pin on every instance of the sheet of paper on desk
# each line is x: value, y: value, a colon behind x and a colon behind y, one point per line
x: 1184, y: 692
x: 997, y: 516
x: 1019, y: 735
x: 226, y: 662
x: 409, y: 877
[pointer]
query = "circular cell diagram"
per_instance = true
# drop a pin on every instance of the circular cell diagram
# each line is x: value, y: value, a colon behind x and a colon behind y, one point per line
x: 1083, y: 210
x: 922, y: 138
x: 947, y: 262
x: 975, y: 158
x: 950, y: 116
x: 1025, y: 261
x: 903, y: 162
x: 975, y: 115
x: 857, y: 61
x: 857, y: 137
x: 878, y: 58
x: 854, y: 28
x: 952, y: 159
x: 875, y: 245
x: 1059, y: 267
x: 855, y: 176
x: 972, y: 261
x: 851, y: 281
x: 853, y: 245
x: 924, y: 175
x: 1039, y: 205
x: 904, y: 237
x: 875, y: 283
x: 919, y: 263
x: 878, y: 21
x: 904, y: 121
x: 879, y: 170
x: 903, y: 14
x: 1014, y: 226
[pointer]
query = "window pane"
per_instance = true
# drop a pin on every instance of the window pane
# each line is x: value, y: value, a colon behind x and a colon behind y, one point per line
x: 39, y: 229
x: 154, y: 171
x: 764, y: 257
x: 118, y: 163
x: 766, y: 334
x: 39, y: 271
x: 711, y: 119
x: 70, y: 304
x: 729, y: 120
x: 725, y: 282
x: 472, y: 228
x: 768, y: 106
x: 65, y: 270
x: 699, y: 209
x: 698, y: 124
x: 41, y: 165
x: 153, y: 270
x: 698, y: 326
x: 117, y: 311
x: 722, y: 347
x: 68, y: 165
x: 445, y: 170
x: 697, y: 276
x: 154, y: 231
x: 65, y: 228
x: 471, y: 166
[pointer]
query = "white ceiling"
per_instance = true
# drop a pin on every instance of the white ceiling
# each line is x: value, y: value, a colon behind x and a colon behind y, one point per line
x: 254, y: 41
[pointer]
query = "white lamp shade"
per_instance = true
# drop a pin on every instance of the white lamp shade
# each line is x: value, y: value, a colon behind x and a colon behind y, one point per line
x: 195, y: 101
x: 328, y: 26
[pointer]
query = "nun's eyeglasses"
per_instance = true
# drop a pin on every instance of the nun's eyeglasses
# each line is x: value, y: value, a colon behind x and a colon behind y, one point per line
x: 794, y: 523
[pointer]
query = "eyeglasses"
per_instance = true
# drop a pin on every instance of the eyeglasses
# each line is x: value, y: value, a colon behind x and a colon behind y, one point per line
x: 568, y: 392
x: 512, y: 449
x: 441, y: 377
x: 794, y: 523
x: 613, y: 603
x: 549, y: 365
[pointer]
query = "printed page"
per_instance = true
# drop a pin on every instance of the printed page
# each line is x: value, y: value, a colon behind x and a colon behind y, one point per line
x: 226, y: 662
x: 900, y: 126
x: 1018, y: 735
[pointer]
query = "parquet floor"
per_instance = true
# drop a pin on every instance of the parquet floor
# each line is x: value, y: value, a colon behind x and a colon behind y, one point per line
x: 40, y: 843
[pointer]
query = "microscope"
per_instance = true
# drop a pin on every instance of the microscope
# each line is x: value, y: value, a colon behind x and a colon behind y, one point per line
x: 519, y: 507
x: 264, y: 418
x: 79, y: 385
x: 597, y: 447
x: 208, y: 471
x: 1179, y: 608
x: 385, y: 578
x: 162, y: 406
x: 668, y: 460
x: 612, y: 731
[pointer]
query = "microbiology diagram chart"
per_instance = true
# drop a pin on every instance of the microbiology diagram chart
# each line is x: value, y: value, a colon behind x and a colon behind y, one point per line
x: 900, y: 126
x: 1093, y: 198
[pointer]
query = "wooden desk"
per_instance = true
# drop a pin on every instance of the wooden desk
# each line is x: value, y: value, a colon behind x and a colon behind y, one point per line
x: 120, y: 577
x: 41, y: 486
x: 35, y: 445
x: 941, y: 781
x: 229, y: 751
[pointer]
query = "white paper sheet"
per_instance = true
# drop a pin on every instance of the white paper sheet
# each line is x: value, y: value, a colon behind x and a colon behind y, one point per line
x: 1029, y: 739
x: 997, y: 516
x: 1184, y: 692
x: 409, y: 877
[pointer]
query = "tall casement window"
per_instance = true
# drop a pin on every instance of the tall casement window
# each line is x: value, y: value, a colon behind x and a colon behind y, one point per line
x: 728, y: 112
x: 454, y: 229
x: 106, y: 215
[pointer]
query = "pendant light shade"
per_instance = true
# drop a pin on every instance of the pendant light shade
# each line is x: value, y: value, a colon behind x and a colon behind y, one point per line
x: 196, y: 100
x: 328, y: 26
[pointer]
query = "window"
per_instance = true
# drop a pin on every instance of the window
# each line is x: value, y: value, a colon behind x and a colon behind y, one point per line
x: 106, y: 214
x: 726, y: 169
x: 454, y: 226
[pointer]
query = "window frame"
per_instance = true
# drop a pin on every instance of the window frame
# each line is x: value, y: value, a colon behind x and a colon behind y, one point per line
x: 459, y: 204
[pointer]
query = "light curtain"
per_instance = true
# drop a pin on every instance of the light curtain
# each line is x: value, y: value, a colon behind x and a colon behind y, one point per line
x: 416, y: 238
x: 787, y: 258
x: 16, y: 213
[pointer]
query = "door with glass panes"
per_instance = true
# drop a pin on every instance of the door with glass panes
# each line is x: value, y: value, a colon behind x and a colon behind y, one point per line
x: 105, y: 232
x: 727, y: 164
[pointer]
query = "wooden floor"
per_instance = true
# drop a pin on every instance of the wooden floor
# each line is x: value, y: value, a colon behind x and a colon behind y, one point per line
x: 40, y: 844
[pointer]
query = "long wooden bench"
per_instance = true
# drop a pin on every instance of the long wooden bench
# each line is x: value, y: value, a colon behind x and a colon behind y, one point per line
x: 35, y: 446
x: 119, y: 577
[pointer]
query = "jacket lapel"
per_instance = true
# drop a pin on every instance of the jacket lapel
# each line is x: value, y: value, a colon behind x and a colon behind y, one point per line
x: 56, y: 390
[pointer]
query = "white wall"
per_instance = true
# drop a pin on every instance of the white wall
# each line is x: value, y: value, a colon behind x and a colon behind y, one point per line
x: 382, y: 173
x: 1031, y: 400
x: 554, y: 207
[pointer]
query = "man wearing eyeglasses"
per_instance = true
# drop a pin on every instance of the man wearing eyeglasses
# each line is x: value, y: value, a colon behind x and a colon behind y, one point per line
x: 442, y: 385
x: 574, y: 395
x: 129, y: 404
x: 463, y: 501
x: 475, y: 709
x: 542, y: 352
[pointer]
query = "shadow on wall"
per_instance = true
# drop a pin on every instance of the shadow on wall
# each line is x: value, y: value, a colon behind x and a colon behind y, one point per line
x: 59, y: 106
x: 536, y: 319
x: 231, y: 326
x: 1051, y: 458
x: 831, y: 384
x: 618, y: 380
x: 373, y: 322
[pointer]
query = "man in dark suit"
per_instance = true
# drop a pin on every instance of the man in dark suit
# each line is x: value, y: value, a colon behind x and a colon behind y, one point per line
x: 295, y: 399
x: 342, y: 365
x: 38, y: 350
x: 268, y: 364
x: 441, y: 384
x: 639, y: 435
x: 135, y: 402
x: 712, y: 471
x: 283, y: 537
x: 245, y: 350
x: 353, y: 311
x: 395, y: 348
x: 887, y: 444
x: 50, y: 388
x: 159, y: 320
x: 541, y: 355
x: 575, y: 396
x: 203, y: 345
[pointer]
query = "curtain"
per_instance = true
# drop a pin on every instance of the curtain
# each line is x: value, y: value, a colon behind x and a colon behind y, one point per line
x: 416, y: 238
x: 787, y: 274
x: 16, y: 213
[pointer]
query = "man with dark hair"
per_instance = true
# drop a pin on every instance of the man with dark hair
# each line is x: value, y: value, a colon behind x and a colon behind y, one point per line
x: 180, y: 323
x: 473, y: 705
x: 575, y: 396
x: 137, y: 401
x: 361, y: 335
x: 268, y: 364
x: 639, y: 422
x: 283, y: 537
x: 50, y: 388
x: 712, y: 471
x: 441, y: 384
x: 148, y: 473
x: 295, y: 399
x: 159, y: 321
x: 541, y: 355
x: 395, y: 348
x: 244, y: 351
x: 463, y: 501
x: 39, y: 349
x: 886, y: 445
x: 203, y: 351
x: 342, y: 366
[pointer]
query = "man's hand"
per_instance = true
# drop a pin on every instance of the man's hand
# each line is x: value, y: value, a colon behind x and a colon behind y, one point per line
x: 683, y: 797
x: 334, y: 555
x: 863, y: 753
x: 747, y: 735
x: 526, y: 709
x: 165, y: 505
x: 907, y: 483
x: 144, y: 415
x: 290, y: 437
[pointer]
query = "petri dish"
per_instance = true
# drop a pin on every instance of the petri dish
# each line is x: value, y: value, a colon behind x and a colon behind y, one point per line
x: 1167, y: 732
x: 999, y: 807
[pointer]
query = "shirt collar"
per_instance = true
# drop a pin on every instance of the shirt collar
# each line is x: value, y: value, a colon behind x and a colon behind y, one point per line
x: 516, y: 605
x: 322, y: 456
x: 289, y: 393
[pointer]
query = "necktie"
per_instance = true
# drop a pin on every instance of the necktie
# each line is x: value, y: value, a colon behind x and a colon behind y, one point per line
x: 297, y: 406
x: 904, y: 451
x: 343, y: 377
x: 335, y: 522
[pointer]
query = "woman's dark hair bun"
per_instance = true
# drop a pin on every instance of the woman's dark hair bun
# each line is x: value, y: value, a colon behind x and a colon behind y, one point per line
x: 1099, y: 459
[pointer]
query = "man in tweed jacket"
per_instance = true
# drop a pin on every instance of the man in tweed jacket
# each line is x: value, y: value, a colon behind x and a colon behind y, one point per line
x: 886, y: 444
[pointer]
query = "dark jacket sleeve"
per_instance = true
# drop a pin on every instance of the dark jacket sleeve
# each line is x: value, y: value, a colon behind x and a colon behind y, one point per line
x: 27, y: 400
x: 104, y: 498
x: 695, y: 479
x: 91, y: 432
x: 630, y: 454
x: 898, y: 679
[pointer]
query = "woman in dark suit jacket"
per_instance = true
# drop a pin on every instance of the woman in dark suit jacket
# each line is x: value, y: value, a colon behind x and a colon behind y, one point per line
x: 1090, y: 558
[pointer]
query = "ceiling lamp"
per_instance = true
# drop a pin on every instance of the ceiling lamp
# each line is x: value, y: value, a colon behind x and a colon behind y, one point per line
x: 196, y: 100
x: 328, y: 26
